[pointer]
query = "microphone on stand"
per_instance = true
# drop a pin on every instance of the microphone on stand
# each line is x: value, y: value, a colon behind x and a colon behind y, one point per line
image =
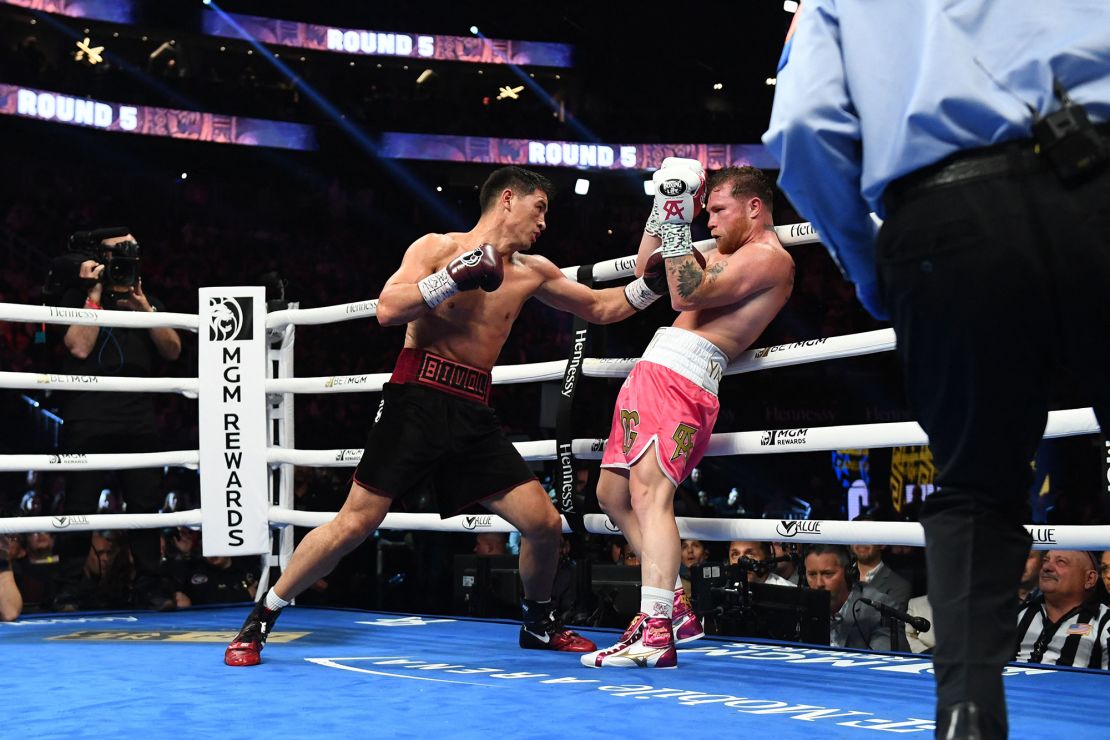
x: 921, y: 624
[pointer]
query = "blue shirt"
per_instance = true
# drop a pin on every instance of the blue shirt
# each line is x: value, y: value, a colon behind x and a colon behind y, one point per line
x: 870, y: 91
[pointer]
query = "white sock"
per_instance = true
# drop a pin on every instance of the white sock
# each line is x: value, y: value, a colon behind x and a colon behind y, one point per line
x: 678, y: 583
x: 656, y: 602
x: 275, y: 602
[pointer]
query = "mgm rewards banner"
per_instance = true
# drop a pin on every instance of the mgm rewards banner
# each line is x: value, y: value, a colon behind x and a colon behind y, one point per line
x: 232, y: 414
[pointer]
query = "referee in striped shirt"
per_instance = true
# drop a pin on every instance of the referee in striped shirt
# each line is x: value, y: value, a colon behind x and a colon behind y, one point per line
x: 1066, y: 624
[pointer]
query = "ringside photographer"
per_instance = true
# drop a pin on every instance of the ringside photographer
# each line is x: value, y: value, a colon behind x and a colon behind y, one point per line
x: 101, y: 271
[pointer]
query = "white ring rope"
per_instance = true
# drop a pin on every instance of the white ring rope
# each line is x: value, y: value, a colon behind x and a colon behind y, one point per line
x: 1066, y: 423
x: 60, y: 382
x: 93, y: 317
x: 808, y: 531
x: 87, y: 522
x: 763, y: 358
x: 105, y: 461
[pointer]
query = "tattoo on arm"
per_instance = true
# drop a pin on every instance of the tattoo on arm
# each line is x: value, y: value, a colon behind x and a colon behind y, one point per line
x: 690, y: 276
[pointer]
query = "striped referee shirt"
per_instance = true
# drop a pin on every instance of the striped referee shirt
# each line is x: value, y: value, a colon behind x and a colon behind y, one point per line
x: 1079, y: 638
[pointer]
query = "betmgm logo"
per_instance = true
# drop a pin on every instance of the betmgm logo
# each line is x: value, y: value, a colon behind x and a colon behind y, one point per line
x: 231, y: 319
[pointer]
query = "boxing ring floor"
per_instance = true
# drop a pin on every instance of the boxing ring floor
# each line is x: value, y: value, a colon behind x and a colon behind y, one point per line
x: 338, y: 673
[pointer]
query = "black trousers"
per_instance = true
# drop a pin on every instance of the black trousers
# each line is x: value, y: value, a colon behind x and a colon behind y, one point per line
x: 141, y: 489
x: 989, y: 284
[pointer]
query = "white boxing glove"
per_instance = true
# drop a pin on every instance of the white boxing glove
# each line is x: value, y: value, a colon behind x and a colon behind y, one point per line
x: 679, y: 193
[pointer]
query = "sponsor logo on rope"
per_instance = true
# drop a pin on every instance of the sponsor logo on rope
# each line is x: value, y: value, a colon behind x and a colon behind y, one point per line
x: 338, y: 381
x: 765, y: 351
x: 792, y: 527
x: 347, y: 454
x: 783, y: 437
x: 566, y: 471
x: 232, y: 319
x: 1043, y: 535
x: 361, y: 307
x: 575, y: 361
x: 797, y: 230
x: 477, y: 522
x: 70, y: 459
x: 72, y: 313
x: 62, y: 522
x: 627, y: 263
x: 611, y: 526
x: 49, y: 378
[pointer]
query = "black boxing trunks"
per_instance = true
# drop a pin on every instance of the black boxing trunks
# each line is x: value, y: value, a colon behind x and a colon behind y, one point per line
x: 434, y: 427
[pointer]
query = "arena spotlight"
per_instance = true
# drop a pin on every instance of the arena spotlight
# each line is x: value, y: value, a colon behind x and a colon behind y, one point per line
x: 474, y: 30
x: 424, y: 76
x: 581, y: 186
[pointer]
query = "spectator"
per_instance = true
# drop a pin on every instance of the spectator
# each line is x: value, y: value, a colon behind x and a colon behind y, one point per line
x: 756, y: 553
x: 875, y: 573
x: 11, y: 600
x: 111, y: 423
x: 852, y: 624
x: 1104, y: 572
x: 629, y: 556
x: 29, y: 567
x: 207, y: 580
x: 1030, y: 576
x: 107, y: 575
x: 788, y: 570
x: 1065, y: 624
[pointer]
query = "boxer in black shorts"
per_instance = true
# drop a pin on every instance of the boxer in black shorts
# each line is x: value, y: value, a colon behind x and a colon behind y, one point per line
x: 459, y: 294
x: 409, y: 443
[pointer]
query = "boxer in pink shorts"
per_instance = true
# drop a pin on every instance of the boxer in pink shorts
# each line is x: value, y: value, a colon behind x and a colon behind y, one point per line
x: 667, y: 407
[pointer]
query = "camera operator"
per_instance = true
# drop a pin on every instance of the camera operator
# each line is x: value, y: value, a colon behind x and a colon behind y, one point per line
x: 101, y: 272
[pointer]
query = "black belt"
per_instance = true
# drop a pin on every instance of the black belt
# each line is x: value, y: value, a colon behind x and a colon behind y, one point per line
x: 965, y: 167
x: 1011, y: 158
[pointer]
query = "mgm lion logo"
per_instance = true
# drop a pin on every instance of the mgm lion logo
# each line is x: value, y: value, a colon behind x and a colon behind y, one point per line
x: 231, y: 319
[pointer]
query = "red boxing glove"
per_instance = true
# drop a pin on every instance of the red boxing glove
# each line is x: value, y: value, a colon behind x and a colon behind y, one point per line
x: 478, y: 268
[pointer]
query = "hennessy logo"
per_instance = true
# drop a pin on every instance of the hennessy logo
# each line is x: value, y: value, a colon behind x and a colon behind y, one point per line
x: 629, y: 419
x: 231, y: 319
x: 684, y: 441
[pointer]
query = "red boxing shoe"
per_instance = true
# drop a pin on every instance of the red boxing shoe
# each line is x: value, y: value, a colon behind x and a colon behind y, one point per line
x: 548, y: 634
x: 686, y: 625
x: 246, y: 648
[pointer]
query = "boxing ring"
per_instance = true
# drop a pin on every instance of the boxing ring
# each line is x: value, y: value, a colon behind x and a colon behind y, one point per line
x: 462, y: 677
